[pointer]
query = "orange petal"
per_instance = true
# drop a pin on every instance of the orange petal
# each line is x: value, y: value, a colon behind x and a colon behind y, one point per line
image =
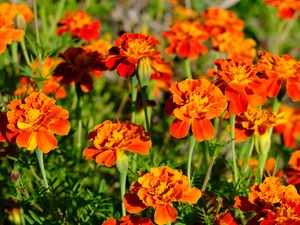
x: 126, y: 69
x: 110, y: 221
x: 139, y: 146
x: 27, y: 139
x: 165, y: 214
x: 46, y: 141
x: 192, y: 195
x: 91, y: 152
x: 107, y: 158
x: 132, y: 203
x: 202, y: 129
x: 293, y: 90
x: 60, y: 127
x: 179, y: 128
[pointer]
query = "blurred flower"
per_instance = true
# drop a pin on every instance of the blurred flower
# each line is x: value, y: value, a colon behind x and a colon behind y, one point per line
x: 238, y: 81
x: 35, y: 120
x: 194, y: 102
x: 129, y: 50
x: 78, y: 66
x: 10, y: 11
x: 256, y: 122
x: 290, y: 130
x: 111, y: 139
x: 280, y: 72
x: 180, y: 12
x: 158, y: 189
x: 293, y: 174
x: 272, y: 202
x: 5, y: 133
x: 287, y: 8
x: 269, y: 167
x: 79, y: 24
x: 129, y: 220
x: 100, y: 46
x: 50, y: 85
x: 186, y: 39
x: 225, y: 218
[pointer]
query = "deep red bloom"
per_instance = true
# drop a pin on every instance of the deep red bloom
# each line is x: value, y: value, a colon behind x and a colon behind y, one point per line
x: 129, y: 220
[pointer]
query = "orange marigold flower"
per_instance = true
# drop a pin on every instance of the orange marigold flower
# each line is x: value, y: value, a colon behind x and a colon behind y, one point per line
x: 129, y: 50
x: 293, y: 173
x: 129, y: 220
x: 100, y: 46
x: 194, y: 102
x: 287, y: 8
x: 79, y: 24
x: 10, y: 11
x: 238, y: 81
x: 225, y: 218
x: 158, y: 189
x: 217, y: 21
x: 35, y: 120
x: 294, y: 161
x: 280, y: 72
x: 78, y: 66
x: 111, y: 139
x: 273, y: 203
x: 290, y: 130
x: 180, y: 12
x: 256, y: 122
x: 186, y: 39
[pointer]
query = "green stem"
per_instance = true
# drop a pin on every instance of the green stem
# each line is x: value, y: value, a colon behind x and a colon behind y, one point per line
x: 39, y: 155
x: 123, y: 176
x: 250, y: 151
x: 53, y: 25
x: 208, y: 172
x: 262, y: 158
x: 134, y: 83
x: 144, y: 100
x: 14, y: 52
x: 187, y: 67
x: 190, y: 156
x: 276, y: 105
x: 234, y: 164
x: 25, y: 53
x: 37, y: 36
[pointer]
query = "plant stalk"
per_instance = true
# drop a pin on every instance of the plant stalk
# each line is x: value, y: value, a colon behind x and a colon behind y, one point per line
x: 190, y: 156
x: 39, y: 155
x: 234, y: 164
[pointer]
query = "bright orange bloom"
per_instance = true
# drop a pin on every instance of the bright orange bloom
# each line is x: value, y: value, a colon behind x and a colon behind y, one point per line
x: 287, y: 8
x: 238, y: 81
x: 256, y: 122
x: 129, y: 220
x: 293, y: 174
x: 50, y: 85
x: 100, y: 46
x: 294, y: 161
x: 186, y: 39
x: 180, y: 12
x: 280, y: 72
x: 273, y: 203
x: 79, y: 24
x: 111, y: 139
x: 158, y: 189
x: 10, y: 11
x: 35, y: 120
x: 225, y: 219
x: 77, y: 67
x: 194, y: 103
x: 218, y: 21
x: 290, y: 130
x: 129, y: 49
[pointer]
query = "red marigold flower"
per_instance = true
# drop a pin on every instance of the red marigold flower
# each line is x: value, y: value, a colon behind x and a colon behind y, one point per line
x: 111, y: 139
x: 79, y: 24
x: 225, y: 218
x: 5, y: 133
x: 35, y: 120
x: 129, y: 220
x: 158, y: 189
x: 186, y: 39
x: 129, y: 50
x: 280, y: 72
x: 287, y: 8
x: 290, y: 130
x: 273, y: 203
x: 256, y: 122
x: 238, y: 81
x: 78, y: 66
x: 194, y: 102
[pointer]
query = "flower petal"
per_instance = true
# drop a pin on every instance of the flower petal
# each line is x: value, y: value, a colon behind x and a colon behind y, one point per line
x: 179, y: 128
x: 27, y: 139
x: 133, y: 204
x: 107, y: 158
x: 191, y: 196
x: 60, y: 127
x: 46, y: 141
x: 139, y: 146
x: 202, y: 129
x: 165, y: 214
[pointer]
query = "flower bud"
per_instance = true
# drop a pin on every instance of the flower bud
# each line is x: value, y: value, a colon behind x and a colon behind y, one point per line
x: 20, y: 22
x: 14, y: 175
x: 122, y: 161
x: 144, y: 71
x: 263, y: 143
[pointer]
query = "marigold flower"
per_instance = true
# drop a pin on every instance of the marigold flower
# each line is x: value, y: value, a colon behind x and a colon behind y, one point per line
x: 290, y: 130
x: 194, y: 102
x: 180, y: 12
x: 280, y: 72
x: 79, y: 24
x: 186, y: 39
x: 273, y: 203
x: 268, y: 168
x: 238, y: 81
x: 129, y: 220
x: 111, y: 139
x: 287, y: 8
x: 35, y: 120
x: 225, y: 218
x: 293, y: 173
x: 49, y: 85
x: 158, y: 189
x: 129, y: 50
x: 256, y: 122
x: 5, y: 133
x: 10, y: 11
x: 78, y: 66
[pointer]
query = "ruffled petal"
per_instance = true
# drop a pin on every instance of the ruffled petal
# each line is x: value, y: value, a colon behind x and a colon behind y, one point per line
x: 191, y: 196
x: 202, y: 129
x: 179, y: 128
x: 133, y: 204
x: 165, y: 214
x: 27, y: 139
x: 60, y: 127
x: 46, y: 141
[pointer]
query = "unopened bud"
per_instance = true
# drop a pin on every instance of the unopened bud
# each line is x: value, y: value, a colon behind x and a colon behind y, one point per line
x: 14, y: 175
x: 263, y: 143
x: 144, y: 71
x: 122, y: 161
x: 20, y: 22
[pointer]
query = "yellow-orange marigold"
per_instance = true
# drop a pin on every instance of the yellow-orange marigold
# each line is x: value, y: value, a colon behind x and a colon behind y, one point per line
x: 293, y: 173
x: 111, y: 139
x: 35, y: 120
x: 287, y: 8
x: 158, y: 189
x: 194, y: 103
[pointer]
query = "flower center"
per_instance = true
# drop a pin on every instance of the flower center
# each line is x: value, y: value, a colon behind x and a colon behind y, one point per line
x: 139, y: 48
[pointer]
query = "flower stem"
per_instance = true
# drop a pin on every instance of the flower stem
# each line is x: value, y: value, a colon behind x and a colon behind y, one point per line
x: 144, y: 100
x: 122, y: 166
x: 25, y: 53
x: 276, y: 105
x: 39, y: 155
x: 234, y: 164
x: 187, y: 67
x: 262, y: 158
x: 123, y: 176
x: 190, y: 155
x: 208, y: 172
x: 134, y: 83
x: 37, y: 36
x: 250, y: 151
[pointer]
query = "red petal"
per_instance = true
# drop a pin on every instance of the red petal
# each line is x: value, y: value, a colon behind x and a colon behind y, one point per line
x: 202, y: 129
x: 126, y: 69
x: 179, y: 128
x: 132, y: 203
